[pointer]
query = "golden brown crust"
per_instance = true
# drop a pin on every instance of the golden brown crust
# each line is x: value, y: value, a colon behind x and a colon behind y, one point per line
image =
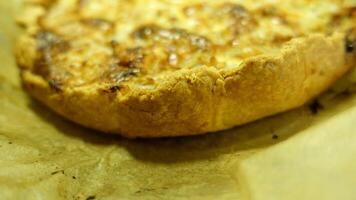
x: 195, y: 100
x: 204, y: 99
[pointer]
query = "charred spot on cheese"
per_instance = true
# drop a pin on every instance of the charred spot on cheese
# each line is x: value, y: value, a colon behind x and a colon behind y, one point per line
x: 125, y: 63
x: 49, y: 45
x: 47, y: 40
x: 120, y: 74
x: 126, y: 57
x: 114, y: 88
x: 124, y: 75
x: 56, y: 85
x: 111, y: 89
x: 131, y: 58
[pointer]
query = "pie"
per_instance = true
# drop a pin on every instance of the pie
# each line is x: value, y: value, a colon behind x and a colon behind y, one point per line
x: 159, y: 68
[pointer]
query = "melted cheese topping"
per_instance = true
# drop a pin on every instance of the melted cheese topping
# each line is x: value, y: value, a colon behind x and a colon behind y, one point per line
x: 123, y: 42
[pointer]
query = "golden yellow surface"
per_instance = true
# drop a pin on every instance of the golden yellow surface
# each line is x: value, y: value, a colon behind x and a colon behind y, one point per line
x: 43, y: 156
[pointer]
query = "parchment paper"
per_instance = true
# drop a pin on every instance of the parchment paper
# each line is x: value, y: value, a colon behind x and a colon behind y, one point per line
x: 295, y: 155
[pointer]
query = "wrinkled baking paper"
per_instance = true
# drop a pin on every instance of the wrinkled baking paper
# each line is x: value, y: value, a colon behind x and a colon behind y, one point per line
x: 295, y: 155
